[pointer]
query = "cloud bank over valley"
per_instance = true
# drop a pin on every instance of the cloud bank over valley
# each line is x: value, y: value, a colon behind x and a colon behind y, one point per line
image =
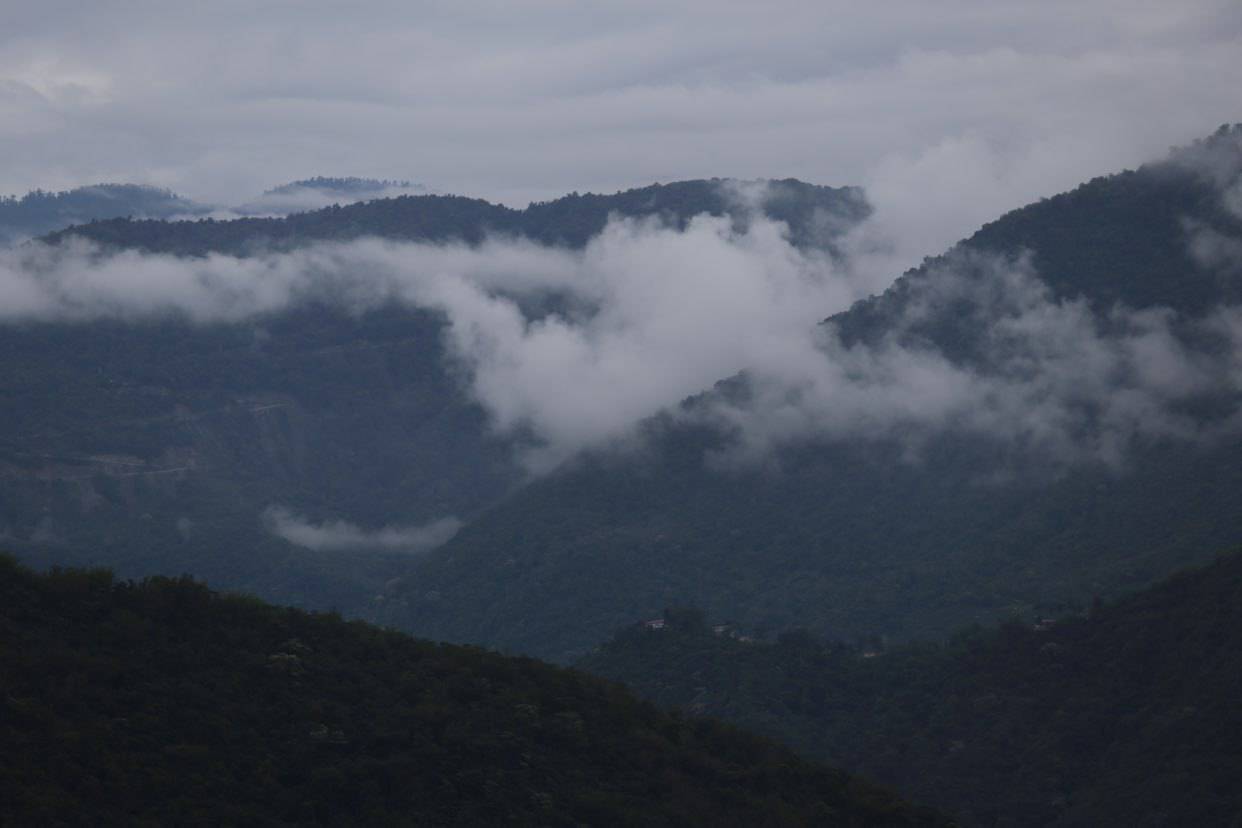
x: 573, y: 349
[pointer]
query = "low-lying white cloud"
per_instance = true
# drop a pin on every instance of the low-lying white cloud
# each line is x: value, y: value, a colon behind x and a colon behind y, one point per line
x: 647, y: 315
x: 1049, y: 376
x: 652, y: 314
x: 341, y: 535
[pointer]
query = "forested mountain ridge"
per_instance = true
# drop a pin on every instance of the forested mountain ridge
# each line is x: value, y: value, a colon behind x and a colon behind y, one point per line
x: 153, y: 443
x: 1123, y: 716
x: 321, y: 191
x: 162, y: 702
x: 815, y: 215
x: 40, y: 212
x: 916, y: 530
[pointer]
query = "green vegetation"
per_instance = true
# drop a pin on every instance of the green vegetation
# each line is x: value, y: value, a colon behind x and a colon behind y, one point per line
x: 162, y: 702
x: 1127, y: 716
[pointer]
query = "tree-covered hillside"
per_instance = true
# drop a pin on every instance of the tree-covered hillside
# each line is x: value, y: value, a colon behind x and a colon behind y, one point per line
x: 162, y: 702
x: 1125, y: 716
x: 155, y: 446
x: 913, y: 533
x: 815, y: 214
x: 40, y: 212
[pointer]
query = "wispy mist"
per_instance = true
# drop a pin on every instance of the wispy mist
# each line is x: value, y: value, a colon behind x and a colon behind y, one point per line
x: 1047, y: 375
x: 340, y: 535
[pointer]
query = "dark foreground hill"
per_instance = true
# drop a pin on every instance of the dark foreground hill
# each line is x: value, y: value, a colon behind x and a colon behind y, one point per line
x: 164, y: 703
x: 915, y: 530
x: 1128, y: 716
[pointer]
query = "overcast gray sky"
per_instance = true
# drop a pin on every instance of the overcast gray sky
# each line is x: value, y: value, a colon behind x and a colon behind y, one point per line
x: 997, y: 102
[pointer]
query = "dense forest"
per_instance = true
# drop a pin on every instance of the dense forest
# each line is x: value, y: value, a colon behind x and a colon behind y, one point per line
x: 162, y: 702
x: 853, y: 537
x: 1126, y: 714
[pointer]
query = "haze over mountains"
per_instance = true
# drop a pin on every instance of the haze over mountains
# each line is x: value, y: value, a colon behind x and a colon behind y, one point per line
x: 866, y: 375
x: 38, y: 213
x: 1046, y: 413
x: 529, y: 428
x: 214, y: 390
x: 372, y: 375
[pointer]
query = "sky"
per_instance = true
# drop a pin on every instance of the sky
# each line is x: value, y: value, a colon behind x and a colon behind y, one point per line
x: 990, y: 104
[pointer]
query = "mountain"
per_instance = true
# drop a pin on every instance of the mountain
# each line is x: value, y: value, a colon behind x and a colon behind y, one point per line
x: 39, y: 212
x: 816, y: 215
x: 1044, y: 414
x: 156, y: 443
x: 161, y: 701
x: 1123, y: 716
x: 321, y: 191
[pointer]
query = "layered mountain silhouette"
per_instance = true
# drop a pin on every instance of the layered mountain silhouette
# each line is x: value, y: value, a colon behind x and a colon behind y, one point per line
x: 1120, y: 716
x: 163, y: 702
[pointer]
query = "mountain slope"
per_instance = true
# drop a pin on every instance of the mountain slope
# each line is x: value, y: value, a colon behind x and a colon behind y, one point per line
x: 1124, y: 717
x: 914, y: 530
x: 155, y: 446
x: 164, y: 702
x: 39, y: 212
x: 154, y: 443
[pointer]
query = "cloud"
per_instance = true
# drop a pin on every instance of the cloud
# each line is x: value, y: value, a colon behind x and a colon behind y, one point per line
x: 573, y: 349
x: 340, y: 535
x: 1044, y: 376
x: 649, y: 314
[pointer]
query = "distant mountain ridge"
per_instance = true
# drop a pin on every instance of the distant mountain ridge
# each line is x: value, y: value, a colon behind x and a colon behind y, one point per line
x: 322, y: 191
x: 815, y: 214
x: 40, y: 212
x: 343, y: 184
